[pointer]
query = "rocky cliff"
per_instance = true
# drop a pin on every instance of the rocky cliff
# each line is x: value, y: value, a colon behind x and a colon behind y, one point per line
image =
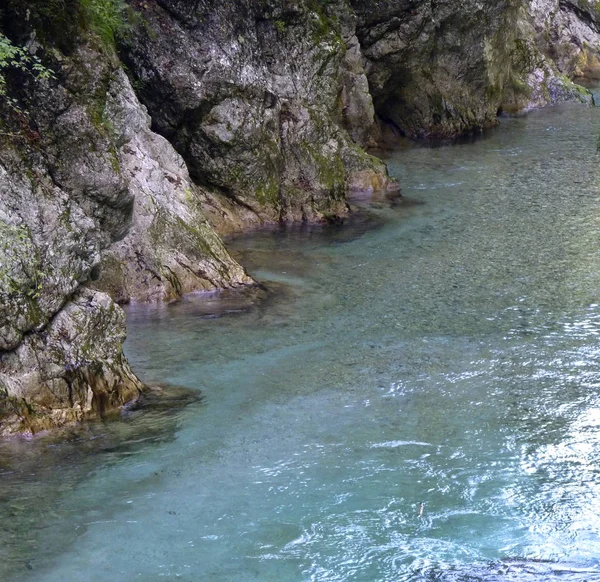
x: 159, y: 123
x: 258, y: 98
x: 442, y: 68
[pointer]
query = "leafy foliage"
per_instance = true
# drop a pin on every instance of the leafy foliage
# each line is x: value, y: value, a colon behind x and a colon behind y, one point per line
x: 18, y: 58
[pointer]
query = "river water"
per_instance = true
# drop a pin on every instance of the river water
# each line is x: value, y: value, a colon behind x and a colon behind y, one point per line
x: 444, y: 352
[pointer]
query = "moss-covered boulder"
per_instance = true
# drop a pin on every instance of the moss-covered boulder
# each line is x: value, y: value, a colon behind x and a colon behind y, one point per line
x: 441, y: 69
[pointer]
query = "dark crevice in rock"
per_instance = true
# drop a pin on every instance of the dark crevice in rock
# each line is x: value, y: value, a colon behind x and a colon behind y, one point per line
x: 585, y: 15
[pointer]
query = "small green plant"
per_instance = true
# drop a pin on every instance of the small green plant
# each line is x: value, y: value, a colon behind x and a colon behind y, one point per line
x: 107, y: 19
x: 18, y: 58
x: 20, y: 263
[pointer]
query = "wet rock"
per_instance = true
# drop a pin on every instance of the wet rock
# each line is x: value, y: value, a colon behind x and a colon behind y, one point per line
x: 29, y: 464
x: 87, y: 193
x: 260, y: 112
x: 72, y: 370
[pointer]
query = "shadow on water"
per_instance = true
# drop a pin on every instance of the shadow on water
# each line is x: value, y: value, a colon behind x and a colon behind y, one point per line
x: 368, y: 211
x: 268, y: 252
x: 362, y: 218
x: 394, y: 140
x: 190, y: 310
x: 37, y: 474
x: 281, y: 249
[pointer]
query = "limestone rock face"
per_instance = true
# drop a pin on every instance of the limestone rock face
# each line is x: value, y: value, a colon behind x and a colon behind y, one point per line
x: 252, y: 111
x: 88, y: 194
x: 555, y: 42
x: 433, y: 66
x: 170, y: 248
x: 63, y: 200
x: 569, y: 33
x: 440, y: 69
x: 258, y: 98
x: 72, y: 370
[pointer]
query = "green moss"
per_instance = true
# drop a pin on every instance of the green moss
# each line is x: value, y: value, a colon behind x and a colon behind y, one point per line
x: 95, y: 102
x: 324, y: 27
x: 330, y: 169
x: 267, y: 193
x: 158, y: 228
x: 592, y: 7
x: 114, y: 159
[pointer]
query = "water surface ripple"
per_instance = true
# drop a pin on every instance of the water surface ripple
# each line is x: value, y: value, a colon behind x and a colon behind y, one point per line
x: 449, y: 356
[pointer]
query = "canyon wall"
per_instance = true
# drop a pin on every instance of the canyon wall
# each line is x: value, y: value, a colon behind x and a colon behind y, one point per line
x: 159, y: 125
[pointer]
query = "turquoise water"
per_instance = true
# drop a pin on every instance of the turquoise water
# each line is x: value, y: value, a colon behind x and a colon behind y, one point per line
x: 446, y: 352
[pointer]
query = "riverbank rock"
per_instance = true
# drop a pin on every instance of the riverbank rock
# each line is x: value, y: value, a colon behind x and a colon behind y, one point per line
x: 158, y: 124
x: 258, y: 98
x: 555, y: 43
x: 569, y: 33
x: 71, y: 370
x: 170, y: 248
x: 88, y: 195
x: 441, y: 69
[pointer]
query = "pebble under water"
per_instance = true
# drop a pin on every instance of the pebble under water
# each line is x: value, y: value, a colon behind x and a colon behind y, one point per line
x: 445, y: 353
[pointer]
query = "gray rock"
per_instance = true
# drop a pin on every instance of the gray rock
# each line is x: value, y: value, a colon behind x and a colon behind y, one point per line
x: 72, y: 370
x: 170, y: 248
x: 568, y: 32
x: 435, y: 68
x: 260, y: 112
x: 91, y: 193
x: 439, y: 69
x: 257, y: 97
x: 63, y: 200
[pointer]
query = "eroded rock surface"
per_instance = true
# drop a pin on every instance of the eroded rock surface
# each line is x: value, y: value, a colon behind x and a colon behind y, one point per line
x: 72, y: 370
x: 439, y: 69
x: 257, y: 97
x: 87, y: 194
x: 170, y: 248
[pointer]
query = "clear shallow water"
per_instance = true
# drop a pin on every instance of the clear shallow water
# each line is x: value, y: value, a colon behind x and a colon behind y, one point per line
x: 448, y: 356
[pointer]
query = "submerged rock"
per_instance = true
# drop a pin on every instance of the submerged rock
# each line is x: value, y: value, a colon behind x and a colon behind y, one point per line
x: 29, y: 464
